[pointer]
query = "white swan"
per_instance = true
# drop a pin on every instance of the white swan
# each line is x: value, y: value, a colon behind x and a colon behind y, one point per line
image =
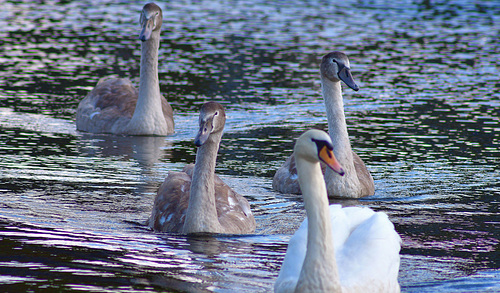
x: 336, y: 249
x: 116, y: 106
x: 196, y: 200
x: 358, y: 181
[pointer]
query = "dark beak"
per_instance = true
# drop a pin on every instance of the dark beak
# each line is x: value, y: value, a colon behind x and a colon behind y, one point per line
x: 346, y: 76
x: 146, y: 30
x: 204, y: 132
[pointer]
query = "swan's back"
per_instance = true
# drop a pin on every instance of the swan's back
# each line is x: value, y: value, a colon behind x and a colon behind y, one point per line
x: 109, y: 107
x: 364, y: 176
x: 172, y: 199
x: 366, y: 250
x: 369, y: 257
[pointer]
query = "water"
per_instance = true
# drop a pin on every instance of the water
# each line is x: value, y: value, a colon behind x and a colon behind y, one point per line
x: 426, y: 121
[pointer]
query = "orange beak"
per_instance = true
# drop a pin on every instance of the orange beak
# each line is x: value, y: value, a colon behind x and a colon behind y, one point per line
x: 326, y: 155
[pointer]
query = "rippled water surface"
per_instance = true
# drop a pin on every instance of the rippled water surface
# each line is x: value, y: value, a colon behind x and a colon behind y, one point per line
x: 426, y: 121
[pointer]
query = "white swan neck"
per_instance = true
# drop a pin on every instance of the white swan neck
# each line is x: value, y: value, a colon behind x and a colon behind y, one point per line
x: 201, y: 214
x: 319, y: 270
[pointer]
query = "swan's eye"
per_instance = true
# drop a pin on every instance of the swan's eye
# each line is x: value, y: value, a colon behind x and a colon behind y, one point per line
x: 216, y: 113
x: 320, y: 144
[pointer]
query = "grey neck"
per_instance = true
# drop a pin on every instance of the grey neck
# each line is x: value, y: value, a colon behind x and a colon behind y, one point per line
x: 148, y: 115
x: 148, y: 84
x: 201, y: 215
x: 337, y: 128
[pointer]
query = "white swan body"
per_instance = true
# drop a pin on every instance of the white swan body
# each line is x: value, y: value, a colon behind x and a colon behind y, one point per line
x: 336, y: 249
x: 196, y: 200
x: 358, y: 181
x: 116, y: 106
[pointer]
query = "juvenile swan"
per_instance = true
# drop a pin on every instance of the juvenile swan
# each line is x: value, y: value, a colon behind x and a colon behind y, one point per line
x: 196, y: 200
x: 116, y: 106
x: 336, y: 249
x: 358, y: 181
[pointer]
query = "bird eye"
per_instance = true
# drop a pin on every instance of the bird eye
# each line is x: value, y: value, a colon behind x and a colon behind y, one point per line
x: 216, y: 113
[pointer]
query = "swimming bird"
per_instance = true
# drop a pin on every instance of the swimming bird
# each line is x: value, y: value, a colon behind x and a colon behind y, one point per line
x: 196, y: 200
x: 116, y: 106
x: 358, y: 181
x: 336, y: 249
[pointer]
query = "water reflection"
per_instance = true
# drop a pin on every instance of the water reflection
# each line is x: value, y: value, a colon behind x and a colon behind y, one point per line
x: 146, y: 150
x: 199, y: 264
